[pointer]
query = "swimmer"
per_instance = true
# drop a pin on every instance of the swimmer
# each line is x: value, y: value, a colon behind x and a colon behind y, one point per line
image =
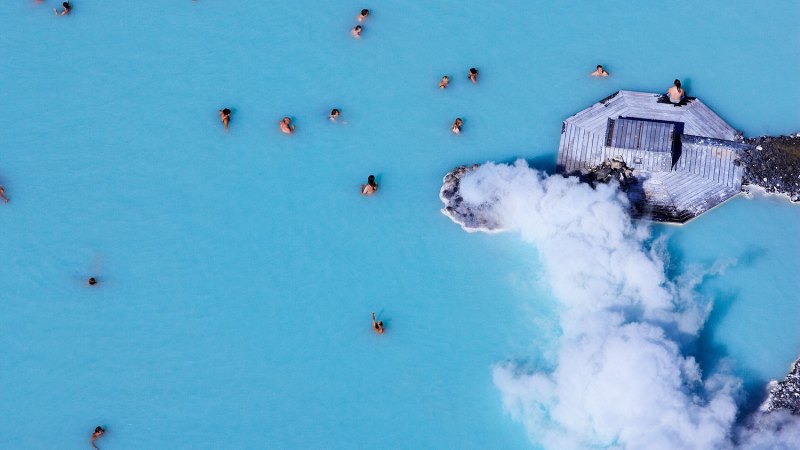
x: 444, y: 83
x: 92, y: 281
x: 473, y: 75
x: 99, y: 431
x: 356, y: 32
x: 67, y: 9
x: 286, y: 125
x: 3, y: 194
x: 676, y: 92
x: 600, y: 72
x: 377, y: 326
x: 225, y: 117
x: 363, y: 16
x: 456, y: 128
x: 334, y: 114
x: 371, y: 187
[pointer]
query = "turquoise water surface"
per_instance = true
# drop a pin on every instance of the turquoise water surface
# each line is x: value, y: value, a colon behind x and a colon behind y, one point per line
x: 238, y: 270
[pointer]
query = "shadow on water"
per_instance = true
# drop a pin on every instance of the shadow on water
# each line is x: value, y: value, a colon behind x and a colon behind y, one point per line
x: 710, y: 352
x: 546, y: 163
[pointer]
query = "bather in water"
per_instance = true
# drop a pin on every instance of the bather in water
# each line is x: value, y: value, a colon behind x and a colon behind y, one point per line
x: 377, y: 325
x: 225, y: 117
x: 65, y: 11
x: 600, y: 72
x: 286, y: 125
x: 98, y: 432
x: 371, y: 187
x: 473, y: 75
x: 456, y: 128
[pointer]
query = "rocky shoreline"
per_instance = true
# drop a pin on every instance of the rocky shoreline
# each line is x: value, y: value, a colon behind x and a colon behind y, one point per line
x: 773, y: 163
x: 785, y: 394
x: 469, y: 217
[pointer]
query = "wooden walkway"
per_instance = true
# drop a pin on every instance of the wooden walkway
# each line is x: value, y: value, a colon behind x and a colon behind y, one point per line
x: 684, y: 157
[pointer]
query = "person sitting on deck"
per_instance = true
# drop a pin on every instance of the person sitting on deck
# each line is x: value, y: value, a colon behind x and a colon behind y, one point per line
x: 3, y: 194
x: 67, y: 9
x: 363, y: 16
x: 225, y: 116
x: 377, y: 326
x: 456, y: 128
x: 600, y: 72
x: 334, y: 114
x: 444, y: 83
x: 356, y: 32
x: 371, y: 187
x: 473, y: 75
x: 676, y: 92
x: 99, y: 431
x: 286, y: 125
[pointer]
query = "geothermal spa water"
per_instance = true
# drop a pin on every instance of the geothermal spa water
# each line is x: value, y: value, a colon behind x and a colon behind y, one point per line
x: 238, y: 270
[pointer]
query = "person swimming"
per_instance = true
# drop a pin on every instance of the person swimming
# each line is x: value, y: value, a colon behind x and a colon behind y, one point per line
x: 473, y: 75
x: 676, y: 92
x: 334, y: 114
x: 98, y: 432
x: 456, y: 128
x: 377, y: 325
x: 356, y: 32
x: 67, y: 9
x: 3, y: 194
x: 225, y: 117
x: 363, y: 16
x: 445, y: 82
x: 371, y: 187
x: 286, y: 125
x: 92, y: 281
x: 600, y: 72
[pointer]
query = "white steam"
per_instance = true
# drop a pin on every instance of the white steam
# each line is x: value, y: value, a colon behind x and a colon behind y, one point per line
x: 620, y: 378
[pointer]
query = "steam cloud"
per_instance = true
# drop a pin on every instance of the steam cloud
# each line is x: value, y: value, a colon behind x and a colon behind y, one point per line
x: 620, y: 377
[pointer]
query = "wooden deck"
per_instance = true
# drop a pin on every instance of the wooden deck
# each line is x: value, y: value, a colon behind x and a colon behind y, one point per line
x: 684, y: 157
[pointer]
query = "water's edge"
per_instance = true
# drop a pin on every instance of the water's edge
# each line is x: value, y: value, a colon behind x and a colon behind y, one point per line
x: 773, y: 164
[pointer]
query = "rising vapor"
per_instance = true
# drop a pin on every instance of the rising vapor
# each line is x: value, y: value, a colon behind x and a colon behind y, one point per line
x: 621, y: 378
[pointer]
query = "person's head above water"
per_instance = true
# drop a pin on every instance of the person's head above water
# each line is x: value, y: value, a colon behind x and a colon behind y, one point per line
x: 473, y: 71
x: 358, y: 28
x: 286, y: 120
x: 371, y: 180
x: 98, y: 429
x: 677, y: 83
x: 364, y: 12
x: 93, y: 281
x: 226, y: 111
x: 599, y: 67
x: 334, y: 112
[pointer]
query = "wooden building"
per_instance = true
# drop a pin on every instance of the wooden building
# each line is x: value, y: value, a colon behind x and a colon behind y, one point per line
x: 684, y: 159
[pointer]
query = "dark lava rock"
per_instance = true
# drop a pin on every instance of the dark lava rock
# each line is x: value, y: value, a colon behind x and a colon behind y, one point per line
x: 785, y: 394
x: 470, y: 217
x: 773, y: 163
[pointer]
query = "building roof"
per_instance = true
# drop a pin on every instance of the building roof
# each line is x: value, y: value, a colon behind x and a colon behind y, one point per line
x: 640, y: 134
x: 684, y: 158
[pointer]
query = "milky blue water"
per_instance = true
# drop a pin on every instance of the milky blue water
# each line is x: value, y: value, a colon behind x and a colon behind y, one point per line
x: 238, y: 270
